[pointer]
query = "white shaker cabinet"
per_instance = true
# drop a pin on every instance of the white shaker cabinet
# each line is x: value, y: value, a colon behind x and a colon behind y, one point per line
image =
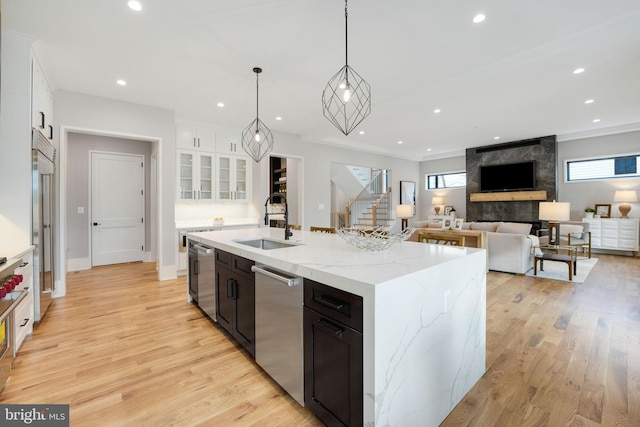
x: 195, y: 138
x: 41, y: 101
x: 614, y: 233
x: 228, y: 143
x: 195, y: 176
x: 233, y: 178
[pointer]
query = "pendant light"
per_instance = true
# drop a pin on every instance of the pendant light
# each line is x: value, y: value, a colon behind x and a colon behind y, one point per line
x: 257, y: 139
x: 346, y: 100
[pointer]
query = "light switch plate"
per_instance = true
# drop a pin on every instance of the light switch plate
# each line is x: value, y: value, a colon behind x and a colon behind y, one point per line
x: 80, y: 210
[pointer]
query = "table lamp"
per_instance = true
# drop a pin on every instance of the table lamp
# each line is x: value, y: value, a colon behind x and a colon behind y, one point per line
x: 437, y: 201
x: 554, y: 212
x: 404, y: 212
x: 625, y: 196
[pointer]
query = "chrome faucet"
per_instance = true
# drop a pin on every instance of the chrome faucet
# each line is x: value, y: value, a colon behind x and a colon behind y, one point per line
x: 287, y: 232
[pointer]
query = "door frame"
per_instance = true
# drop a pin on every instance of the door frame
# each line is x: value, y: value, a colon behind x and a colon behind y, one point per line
x: 90, y: 206
x: 61, y: 211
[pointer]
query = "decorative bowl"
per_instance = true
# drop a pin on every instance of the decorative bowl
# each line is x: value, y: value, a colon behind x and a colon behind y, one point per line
x: 373, y: 239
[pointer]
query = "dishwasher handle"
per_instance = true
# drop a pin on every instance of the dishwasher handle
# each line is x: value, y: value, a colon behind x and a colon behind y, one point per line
x: 204, y: 249
x: 289, y: 281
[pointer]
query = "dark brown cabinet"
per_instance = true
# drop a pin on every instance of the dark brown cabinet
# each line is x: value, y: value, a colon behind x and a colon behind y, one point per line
x: 333, y: 354
x: 235, y: 290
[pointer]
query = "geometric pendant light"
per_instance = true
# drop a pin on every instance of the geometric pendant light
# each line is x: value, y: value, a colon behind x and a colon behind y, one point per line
x: 346, y: 99
x: 257, y: 139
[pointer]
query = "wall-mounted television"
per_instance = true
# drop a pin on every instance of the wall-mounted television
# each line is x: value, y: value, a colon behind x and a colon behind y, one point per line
x: 508, y: 177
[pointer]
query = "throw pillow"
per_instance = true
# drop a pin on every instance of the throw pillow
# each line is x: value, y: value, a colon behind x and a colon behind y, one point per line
x: 484, y: 226
x: 514, y: 228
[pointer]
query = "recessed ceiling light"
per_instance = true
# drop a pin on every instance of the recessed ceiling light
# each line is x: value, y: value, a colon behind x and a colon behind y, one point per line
x: 428, y: 149
x: 399, y: 142
x: 135, y: 5
x: 589, y: 101
x: 437, y: 110
x: 479, y: 18
x: 596, y: 120
x: 361, y: 132
x: 121, y: 82
x: 496, y: 137
x: 220, y: 104
x: 278, y: 118
x: 578, y: 71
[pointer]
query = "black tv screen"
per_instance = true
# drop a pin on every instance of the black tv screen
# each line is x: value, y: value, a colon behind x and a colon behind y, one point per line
x: 508, y: 177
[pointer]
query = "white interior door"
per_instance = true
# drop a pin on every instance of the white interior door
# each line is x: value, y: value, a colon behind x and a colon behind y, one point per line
x: 117, y: 208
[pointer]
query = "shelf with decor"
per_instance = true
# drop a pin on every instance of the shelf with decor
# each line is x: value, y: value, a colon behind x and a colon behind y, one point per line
x: 509, y: 196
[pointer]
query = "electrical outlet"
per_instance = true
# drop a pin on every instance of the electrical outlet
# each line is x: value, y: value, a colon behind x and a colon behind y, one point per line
x: 80, y: 210
x: 447, y: 297
x: 320, y: 206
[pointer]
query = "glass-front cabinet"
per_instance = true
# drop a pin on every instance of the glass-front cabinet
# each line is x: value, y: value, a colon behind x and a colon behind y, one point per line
x: 233, y: 177
x: 195, y: 176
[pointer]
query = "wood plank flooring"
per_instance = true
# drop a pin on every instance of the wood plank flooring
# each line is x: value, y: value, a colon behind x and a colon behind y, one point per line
x: 126, y: 350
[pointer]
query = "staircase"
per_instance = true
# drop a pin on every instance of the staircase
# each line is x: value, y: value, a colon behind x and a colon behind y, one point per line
x: 377, y: 211
x: 372, y: 206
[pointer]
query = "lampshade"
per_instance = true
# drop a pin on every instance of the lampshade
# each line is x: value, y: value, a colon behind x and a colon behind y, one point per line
x: 625, y: 196
x: 437, y: 200
x: 404, y: 211
x: 554, y: 211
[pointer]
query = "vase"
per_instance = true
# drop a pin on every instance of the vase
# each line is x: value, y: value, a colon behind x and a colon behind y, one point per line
x: 588, y: 214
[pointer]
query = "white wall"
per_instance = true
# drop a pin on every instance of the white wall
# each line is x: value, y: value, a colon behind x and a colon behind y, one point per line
x: 587, y: 194
x: 456, y: 197
x: 74, y: 112
x: 316, y: 163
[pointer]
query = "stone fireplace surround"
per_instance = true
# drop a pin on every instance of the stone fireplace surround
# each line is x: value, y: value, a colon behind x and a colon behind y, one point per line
x: 542, y: 150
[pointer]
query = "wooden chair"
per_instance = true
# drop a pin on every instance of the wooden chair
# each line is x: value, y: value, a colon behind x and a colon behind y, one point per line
x: 572, y: 233
x: 441, y: 239
x: 323, y: 229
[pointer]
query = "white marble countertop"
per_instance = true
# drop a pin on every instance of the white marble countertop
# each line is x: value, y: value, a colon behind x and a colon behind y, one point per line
x: 11, y: 253
x: 327, y: 258
x: 194, y: 224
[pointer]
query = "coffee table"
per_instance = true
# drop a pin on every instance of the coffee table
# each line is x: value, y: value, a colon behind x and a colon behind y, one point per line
x: 560, y: 253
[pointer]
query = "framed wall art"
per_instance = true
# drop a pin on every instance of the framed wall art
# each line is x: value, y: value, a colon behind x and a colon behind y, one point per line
x: 604, y: 211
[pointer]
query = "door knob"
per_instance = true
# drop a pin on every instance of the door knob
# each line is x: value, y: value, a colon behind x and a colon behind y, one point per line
x: 95, y: 223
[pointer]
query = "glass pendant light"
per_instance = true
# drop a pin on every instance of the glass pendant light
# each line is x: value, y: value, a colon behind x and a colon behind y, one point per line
x: 346, y: 100
x: 257, y: 139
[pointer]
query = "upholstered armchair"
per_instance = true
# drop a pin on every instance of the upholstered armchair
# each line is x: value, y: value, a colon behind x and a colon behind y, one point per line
x: 572, y: 233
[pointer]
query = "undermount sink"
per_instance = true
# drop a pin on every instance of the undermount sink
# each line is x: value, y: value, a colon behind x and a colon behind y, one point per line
x: 266, y: 244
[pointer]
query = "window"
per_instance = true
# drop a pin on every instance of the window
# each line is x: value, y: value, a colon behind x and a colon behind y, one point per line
x: 603, y: 168
x: 447, y: 180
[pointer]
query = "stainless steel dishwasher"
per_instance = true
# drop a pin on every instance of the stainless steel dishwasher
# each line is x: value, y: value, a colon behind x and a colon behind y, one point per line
x: 207, y: 280
x: 279, y: 339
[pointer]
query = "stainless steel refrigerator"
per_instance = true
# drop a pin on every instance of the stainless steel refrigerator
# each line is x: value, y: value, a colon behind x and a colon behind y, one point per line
x: 43, y: 155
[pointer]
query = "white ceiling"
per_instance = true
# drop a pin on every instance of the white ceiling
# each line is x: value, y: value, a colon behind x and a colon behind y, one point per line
x: 510, y: 76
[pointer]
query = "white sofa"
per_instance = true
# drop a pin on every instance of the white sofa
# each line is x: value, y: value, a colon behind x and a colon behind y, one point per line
x: 510, y: 245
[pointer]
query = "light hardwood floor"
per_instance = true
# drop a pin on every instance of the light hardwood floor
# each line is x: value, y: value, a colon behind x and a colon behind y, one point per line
x: 126, y: 350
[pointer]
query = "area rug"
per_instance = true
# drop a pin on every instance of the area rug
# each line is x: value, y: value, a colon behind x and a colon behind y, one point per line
x: 560, y: 271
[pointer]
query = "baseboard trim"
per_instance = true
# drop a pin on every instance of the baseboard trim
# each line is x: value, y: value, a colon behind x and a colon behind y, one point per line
x: 78, y: 264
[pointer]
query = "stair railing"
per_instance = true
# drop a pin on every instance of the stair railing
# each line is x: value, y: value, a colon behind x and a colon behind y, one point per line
x: 357, y: 206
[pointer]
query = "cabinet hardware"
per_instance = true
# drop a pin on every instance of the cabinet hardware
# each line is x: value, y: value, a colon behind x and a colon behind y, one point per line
x: 41, y: 120
x: 96, y: 224
x: 24, y: 323
x: 330, y: 326
x: 231, y: 294
x: 329, y: 302
x: 196, y: 267
x: 50, y: 132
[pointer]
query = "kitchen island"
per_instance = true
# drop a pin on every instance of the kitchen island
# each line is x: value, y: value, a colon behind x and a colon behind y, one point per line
x: 424, y: 315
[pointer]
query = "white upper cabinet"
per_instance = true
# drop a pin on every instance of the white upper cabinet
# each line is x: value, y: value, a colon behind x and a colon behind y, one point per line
x: 228, y: 143
x: 233, y: 178
x: 195, y: 138
x: 41, y: 101
x: 195, y: 173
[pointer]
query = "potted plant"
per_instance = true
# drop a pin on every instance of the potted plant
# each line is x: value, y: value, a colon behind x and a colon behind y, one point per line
x: 452, y: 212
x: 588, y: 213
